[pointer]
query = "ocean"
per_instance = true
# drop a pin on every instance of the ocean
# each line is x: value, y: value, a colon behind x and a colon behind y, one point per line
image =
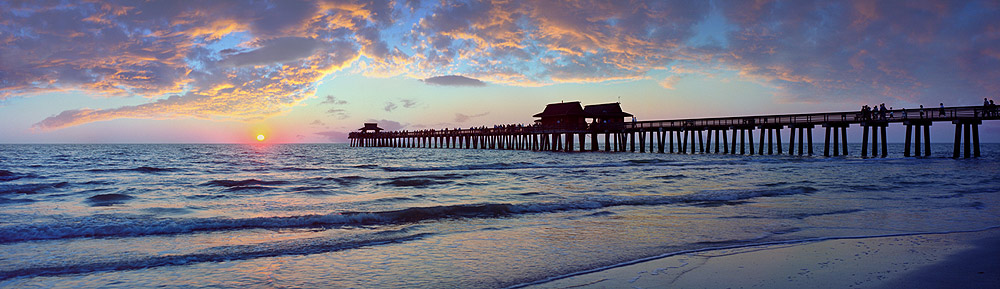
x: 333, y: 216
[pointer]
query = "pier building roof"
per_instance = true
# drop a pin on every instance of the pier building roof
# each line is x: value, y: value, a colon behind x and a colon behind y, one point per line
x: 562, y: 109
x: 371, y: 126
x: 606, y: 110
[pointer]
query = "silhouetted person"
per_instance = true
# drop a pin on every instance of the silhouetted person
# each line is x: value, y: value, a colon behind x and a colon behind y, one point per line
x: 921, y: 111
x: 942, y: 110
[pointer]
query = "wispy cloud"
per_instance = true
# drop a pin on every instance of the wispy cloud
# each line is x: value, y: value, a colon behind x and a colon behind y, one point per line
x: 460, y: 118
x: 339, y: 113
x: 390, y: 106
x: 333, y: 100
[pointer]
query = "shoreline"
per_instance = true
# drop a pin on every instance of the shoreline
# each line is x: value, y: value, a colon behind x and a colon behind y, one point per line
x: 912, y: 260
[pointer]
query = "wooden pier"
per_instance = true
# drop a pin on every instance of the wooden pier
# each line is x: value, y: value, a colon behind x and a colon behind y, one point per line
x: 563, y: 128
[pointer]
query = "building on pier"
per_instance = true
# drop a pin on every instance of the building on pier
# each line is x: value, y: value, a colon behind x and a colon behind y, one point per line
x: 370, y: 126
x: 563, y: 115
x: 609, y: 113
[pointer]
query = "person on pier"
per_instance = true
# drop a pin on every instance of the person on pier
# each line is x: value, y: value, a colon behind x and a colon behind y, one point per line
x: 942, y: 110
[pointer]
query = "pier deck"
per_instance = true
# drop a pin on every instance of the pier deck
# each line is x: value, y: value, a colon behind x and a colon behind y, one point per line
x: 686, y: 135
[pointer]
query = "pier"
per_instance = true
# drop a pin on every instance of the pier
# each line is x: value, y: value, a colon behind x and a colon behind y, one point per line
x: 565, y: 127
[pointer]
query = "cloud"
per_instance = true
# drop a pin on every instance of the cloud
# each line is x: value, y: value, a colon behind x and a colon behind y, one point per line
x: 453, y: 80
x: 242, y: 60
x: 460, y: 118
x: 865, y: 50
x: 334, y: 136
x: 387, y: 124
x: 333, y: 100
x: 192, y: 59
x: 669, y: 81
x: 317, y: 123
x: 390, y: 106
x: 339, y: 113
x: 274, y: 51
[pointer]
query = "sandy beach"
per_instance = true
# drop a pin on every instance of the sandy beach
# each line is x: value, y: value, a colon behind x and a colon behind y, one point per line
x: 936, y: 260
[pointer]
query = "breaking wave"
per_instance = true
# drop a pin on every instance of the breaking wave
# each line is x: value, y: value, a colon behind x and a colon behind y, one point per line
x: 99, y: 226
x: 214, y: 254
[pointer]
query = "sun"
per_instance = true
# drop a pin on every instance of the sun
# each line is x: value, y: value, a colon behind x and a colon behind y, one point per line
x: 260, y: 137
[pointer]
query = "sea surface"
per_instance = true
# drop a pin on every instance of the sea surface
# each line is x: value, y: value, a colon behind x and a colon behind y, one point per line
x: 333, y: 216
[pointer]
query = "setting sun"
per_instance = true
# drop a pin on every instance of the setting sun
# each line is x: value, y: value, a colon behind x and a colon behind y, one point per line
x: 260, y: 137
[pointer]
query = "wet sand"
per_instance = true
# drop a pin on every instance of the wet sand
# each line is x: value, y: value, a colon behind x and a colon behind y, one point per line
x: 951, y: 260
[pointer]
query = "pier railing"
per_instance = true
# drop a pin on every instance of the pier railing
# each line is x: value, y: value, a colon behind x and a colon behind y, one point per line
x: 848, y: 117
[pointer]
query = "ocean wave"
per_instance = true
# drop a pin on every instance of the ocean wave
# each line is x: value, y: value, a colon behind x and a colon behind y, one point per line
x: 518, y: 166
x: 345, y: 181
x: 425, y: 180
x: 242, y: 183
x: 554, y: 165
x: 29, y: 189
x: 415, y: 182
x: 129, y: 226
x: 650, y: 161
x: 142, y: 169
x: 6, y: 176
x: 248, y: 188
x: 299, y: 169
x: 306, y: 246
x: 108, y: 199
x: 669, y: 177
x: 8, y: 201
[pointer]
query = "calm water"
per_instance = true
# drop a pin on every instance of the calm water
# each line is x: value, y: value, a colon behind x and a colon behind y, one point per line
x: 333, y: 216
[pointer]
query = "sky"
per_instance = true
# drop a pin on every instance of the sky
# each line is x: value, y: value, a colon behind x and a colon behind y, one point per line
x: 311, y: 71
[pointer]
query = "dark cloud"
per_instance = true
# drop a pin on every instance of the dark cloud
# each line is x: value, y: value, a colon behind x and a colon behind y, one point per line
x: 453, y: 80
x: 919, y: 51
x: 274, y: 51
x: 317, y: 123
